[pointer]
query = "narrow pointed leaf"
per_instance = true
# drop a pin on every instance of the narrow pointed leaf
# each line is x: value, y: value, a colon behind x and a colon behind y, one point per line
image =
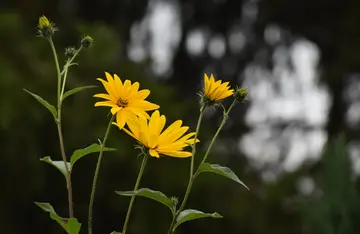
x: 154, y: 195
x: 88, y: 150
x: 48, y: 106
x: 57, y: 164
x: 223, y: 171
x: 75, y: 90
x: 71, y: 226
x: 190, y: 214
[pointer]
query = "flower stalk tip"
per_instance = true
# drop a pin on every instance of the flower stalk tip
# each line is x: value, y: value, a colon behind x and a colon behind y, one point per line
x: 240, y: 94
x: 87, y: 41
x: 46, y: 28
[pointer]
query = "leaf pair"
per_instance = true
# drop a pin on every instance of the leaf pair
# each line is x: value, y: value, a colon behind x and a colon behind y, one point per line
x: 190, y: 214
x: 78, y: 154
x: 52, y: 108
x: 71, y: 225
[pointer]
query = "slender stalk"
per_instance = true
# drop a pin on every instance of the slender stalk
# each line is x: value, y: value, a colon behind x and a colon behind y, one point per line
x: 65, y: 71
x: 225, y: 117
x: 58, y: 123
x: 96, y: 175
x: 191, y: 177
x: 135, y: 188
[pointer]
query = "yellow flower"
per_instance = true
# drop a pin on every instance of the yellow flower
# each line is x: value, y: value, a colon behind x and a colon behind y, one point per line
x: 216, y: 91
x: 125, y: 99
x: 170, y: 142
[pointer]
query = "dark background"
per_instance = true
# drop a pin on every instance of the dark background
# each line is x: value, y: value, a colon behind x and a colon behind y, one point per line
x: 318, y: 196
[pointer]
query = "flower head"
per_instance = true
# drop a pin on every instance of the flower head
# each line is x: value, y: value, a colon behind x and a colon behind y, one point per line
x: 150, y: 134
x: 240, y: 94
x: 125, y: 99
x: 46, y: 28
x: 215, y: 91
x: 87, y: 41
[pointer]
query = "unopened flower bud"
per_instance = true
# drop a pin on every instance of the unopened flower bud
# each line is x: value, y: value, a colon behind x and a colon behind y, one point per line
x: 46, y: 28
x: 87, y: 41
x: 70, y: 52
x: 240, y: 94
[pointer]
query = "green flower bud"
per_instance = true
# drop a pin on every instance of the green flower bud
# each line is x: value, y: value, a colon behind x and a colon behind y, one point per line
x: 70, y: 52
x: 46, y: 28
x: 240, y: 94
x: 87, y: 41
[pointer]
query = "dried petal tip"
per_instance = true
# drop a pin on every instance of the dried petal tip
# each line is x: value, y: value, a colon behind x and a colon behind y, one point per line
x: 46, y: 28
x: 240, y: 94
x: 70, y: 52
x: 87, y: 42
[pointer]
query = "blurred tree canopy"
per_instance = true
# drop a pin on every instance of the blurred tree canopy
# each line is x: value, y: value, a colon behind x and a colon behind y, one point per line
x: 27, y: 132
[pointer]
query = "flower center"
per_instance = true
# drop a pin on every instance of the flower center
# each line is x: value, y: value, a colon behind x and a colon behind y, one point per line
x: 122, y: 102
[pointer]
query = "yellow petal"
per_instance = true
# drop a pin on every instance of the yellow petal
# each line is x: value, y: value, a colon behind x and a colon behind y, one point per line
x: 154, y: 153
x: 143, y: 139
x: 105, y: 96
x: 177, y: 124
x: 109, y: 89
x: 142, y: 94
x: 105, y: 103
x: 115, y: 109
x: 177, y: 154
x: 121, y: 118
x: 145, y: 105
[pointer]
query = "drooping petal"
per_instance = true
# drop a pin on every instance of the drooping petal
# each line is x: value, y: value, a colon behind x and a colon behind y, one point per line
x: 121, y: 118
x: 154, y: 153
x: 115, y: 109
x: 177, y: 154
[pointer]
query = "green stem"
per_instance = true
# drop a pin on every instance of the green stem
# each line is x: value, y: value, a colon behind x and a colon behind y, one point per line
x: 191, y: 177
x: 58, y: 123
x: 135, y: 188
x: 225, y: 117
x: 96, y: 175
x: 65, y: 71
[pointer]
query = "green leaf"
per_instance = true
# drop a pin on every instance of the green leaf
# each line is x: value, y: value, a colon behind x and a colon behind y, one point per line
x: 191, y: 214
x: 154, y: 195
x: 223, y: 171
x: 57, y: 164
x: 115, y: 233
x: 75, y: 90
x: 48, y: 106
x: 71, y: 226
x: 88, y: 150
